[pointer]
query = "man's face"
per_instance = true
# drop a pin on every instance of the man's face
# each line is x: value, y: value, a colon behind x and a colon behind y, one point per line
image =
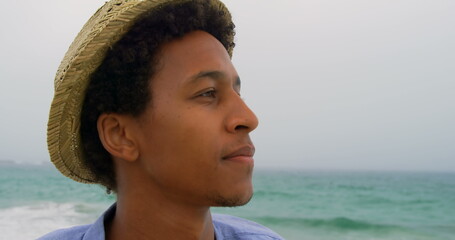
x: 194, y: 135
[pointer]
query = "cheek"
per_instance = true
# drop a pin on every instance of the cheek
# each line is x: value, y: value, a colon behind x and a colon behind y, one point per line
x: 195, y: 130
x: 182, y: 144
x: 197, y: 142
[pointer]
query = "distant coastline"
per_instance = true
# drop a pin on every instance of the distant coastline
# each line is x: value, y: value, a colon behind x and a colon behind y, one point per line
x: 268, y: 169
x: 5, y: 162
x: 11, y: 163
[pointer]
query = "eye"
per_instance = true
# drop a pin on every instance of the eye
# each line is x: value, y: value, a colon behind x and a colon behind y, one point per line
x: 209, y: 93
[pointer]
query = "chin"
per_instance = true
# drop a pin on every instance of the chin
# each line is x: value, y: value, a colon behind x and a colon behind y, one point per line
x: 235, y: 200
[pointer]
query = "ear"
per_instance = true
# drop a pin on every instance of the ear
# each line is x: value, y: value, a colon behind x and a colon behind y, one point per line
x: 117, y: 135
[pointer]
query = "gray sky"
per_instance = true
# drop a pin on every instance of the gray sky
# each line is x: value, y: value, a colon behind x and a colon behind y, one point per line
x: 350, y: 84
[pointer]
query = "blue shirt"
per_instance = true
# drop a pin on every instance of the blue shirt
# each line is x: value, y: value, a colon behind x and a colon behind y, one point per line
x: 226, y: 228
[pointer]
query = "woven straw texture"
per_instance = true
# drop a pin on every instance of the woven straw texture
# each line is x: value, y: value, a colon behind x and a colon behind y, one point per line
x: 84, y: 55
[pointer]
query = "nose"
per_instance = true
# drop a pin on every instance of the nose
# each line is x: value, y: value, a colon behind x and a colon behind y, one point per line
x: 241, y: 117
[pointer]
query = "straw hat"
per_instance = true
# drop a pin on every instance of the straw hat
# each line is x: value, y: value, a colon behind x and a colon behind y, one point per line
x: 85, y: 54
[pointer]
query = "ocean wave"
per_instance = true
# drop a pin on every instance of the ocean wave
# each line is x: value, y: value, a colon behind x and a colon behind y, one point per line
x: 355, y: 187
x: 338, y: 223
x: 41, y: 218
x: 273, y: 194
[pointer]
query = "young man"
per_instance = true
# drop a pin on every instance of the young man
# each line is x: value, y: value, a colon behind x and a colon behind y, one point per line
x: 147, y: 103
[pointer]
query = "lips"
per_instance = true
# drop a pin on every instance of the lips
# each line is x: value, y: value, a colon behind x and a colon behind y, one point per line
x: 242, y: 154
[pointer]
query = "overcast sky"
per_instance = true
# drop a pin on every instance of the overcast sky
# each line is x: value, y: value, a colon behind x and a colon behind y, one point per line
x: 353, y: 84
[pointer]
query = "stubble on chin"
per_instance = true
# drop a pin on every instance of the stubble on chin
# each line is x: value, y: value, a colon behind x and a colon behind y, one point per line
x: 219, y: 200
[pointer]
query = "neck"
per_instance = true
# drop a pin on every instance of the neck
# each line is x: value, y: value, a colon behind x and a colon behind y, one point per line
x: 147, y: 213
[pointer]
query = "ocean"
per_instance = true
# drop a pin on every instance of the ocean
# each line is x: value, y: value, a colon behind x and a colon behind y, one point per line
x: 299, y: 205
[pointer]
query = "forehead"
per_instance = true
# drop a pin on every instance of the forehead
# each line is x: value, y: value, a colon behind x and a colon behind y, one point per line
x: 192, y: 54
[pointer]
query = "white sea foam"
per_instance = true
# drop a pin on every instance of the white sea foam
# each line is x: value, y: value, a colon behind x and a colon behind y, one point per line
x: 33, y: 221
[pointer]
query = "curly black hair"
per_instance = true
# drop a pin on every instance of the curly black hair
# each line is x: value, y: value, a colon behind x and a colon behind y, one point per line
x: 121, y: 83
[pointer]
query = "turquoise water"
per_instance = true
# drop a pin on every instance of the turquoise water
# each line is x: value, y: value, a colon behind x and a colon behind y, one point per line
x: 299, y: 205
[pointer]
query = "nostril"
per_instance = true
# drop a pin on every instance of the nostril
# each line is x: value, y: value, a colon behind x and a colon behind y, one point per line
x: 239, y: 127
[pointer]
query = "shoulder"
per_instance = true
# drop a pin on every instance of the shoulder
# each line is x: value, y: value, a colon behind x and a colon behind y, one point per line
x: 94, y: 231
x: 73, y: 233
x: 230, y: 228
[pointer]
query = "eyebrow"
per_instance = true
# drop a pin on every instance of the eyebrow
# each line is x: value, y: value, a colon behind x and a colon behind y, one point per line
x: 215, y: 75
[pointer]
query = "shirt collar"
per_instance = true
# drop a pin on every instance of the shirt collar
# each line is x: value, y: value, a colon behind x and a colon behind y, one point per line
x: 96, y: 230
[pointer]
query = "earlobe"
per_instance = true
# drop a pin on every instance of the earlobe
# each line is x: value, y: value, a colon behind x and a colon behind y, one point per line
x: 115, y: 133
